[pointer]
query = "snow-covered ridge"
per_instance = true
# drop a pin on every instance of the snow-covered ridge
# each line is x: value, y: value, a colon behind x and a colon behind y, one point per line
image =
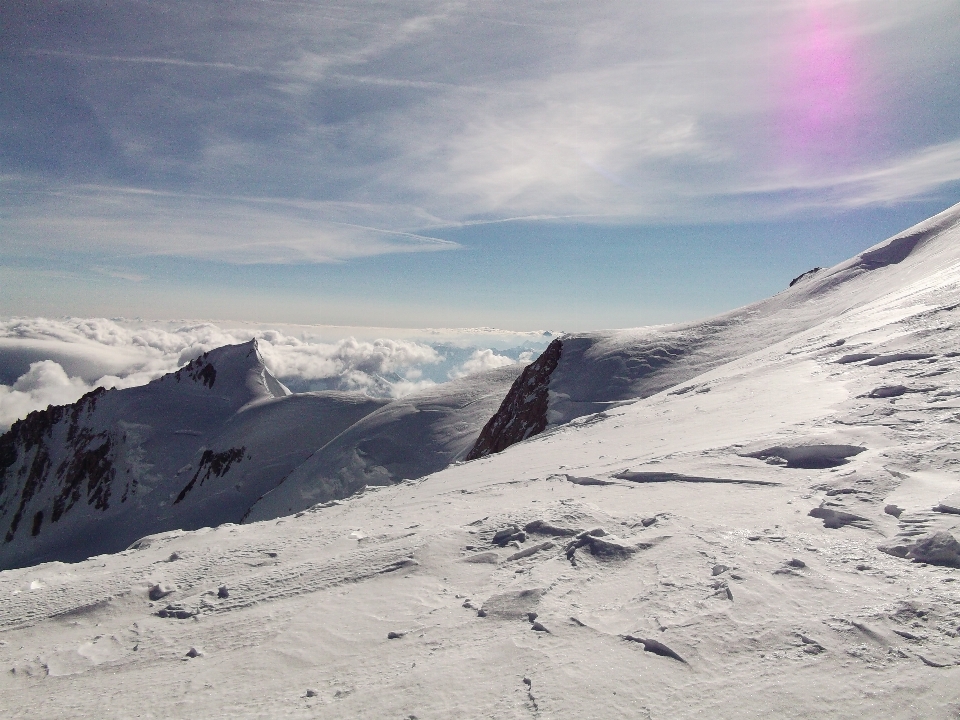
x: 598, y: 371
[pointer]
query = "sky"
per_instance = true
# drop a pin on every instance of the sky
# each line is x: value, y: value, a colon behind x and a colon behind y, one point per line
x: 544, y: 165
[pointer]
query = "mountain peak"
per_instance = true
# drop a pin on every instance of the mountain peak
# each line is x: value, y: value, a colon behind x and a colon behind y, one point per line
x: 238, y: 365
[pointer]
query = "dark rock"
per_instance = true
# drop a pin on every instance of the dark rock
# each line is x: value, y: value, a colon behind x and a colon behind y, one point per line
x: 212, y: 463
x: 647, y: 522
x: 311, y: 693
x: 194, y: 652
x: 539, y: 627
x: 835, y: 519
x: 598, y: 546
x: 523, y: 412
x: 177, y: 612
x: 805, y: 275
x: 718, y: 570
x: 656, y: 647
x: 896, y: 548
x: 504, y: 536
x: 395, y: 635
x: 161, y: 590
x: 893, y: 510
x: 795, y: 563
x: 223, y: 593
x: 602, y: 547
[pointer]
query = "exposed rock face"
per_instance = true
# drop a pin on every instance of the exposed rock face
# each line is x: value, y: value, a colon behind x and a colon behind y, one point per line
x: 523, y: 412
x: 27, y: 462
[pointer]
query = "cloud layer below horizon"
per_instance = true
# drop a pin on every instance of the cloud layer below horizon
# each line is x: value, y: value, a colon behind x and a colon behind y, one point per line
x: 55, y: 361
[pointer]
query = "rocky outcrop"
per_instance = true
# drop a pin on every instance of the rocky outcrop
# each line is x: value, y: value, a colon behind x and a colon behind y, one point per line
x: 26, y: 462
x: 523, y: 412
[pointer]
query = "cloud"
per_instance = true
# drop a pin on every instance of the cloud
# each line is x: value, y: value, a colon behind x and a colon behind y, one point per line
x: 45, y: 383
x: 482, y: 360
x: 238, y: 230
x: 308, y: 133
x: 54, y: 361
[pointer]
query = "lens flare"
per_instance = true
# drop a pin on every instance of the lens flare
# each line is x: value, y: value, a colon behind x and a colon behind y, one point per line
x: 820, y: 104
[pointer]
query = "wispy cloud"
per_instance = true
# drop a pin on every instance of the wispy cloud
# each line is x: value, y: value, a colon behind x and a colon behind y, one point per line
x: 271, y: 141
x: 237, y: 230
x: 143, y: 60
x: 119, y: 273
x: 910, y: 176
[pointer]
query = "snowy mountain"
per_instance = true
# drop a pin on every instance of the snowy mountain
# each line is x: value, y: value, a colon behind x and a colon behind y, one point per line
x: 754, y: 516
x: 192, y: 448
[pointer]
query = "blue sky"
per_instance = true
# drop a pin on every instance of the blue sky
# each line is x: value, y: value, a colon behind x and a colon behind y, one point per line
x: 555, y: 165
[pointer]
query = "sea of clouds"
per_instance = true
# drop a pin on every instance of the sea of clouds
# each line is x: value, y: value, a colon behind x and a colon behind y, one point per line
x: 47, y: 361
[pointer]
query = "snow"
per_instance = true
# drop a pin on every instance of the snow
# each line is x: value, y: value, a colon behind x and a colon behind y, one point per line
x: 409, y: 438
x: 668, y: 599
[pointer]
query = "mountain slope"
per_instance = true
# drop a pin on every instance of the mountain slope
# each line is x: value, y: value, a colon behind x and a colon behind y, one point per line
x: 195, y: 447
x: 406, y: 439
x: 597, y: 371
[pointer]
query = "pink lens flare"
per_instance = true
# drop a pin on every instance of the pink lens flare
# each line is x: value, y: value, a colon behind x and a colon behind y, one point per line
x: 820, y: 104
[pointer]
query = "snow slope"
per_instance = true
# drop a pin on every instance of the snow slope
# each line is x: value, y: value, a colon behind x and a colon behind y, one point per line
x: 744, y: 543
x: 409, y: 438
x: 192, y: 448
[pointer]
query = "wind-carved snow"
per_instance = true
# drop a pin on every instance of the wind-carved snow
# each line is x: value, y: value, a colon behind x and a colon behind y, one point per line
x: 677, y: 597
